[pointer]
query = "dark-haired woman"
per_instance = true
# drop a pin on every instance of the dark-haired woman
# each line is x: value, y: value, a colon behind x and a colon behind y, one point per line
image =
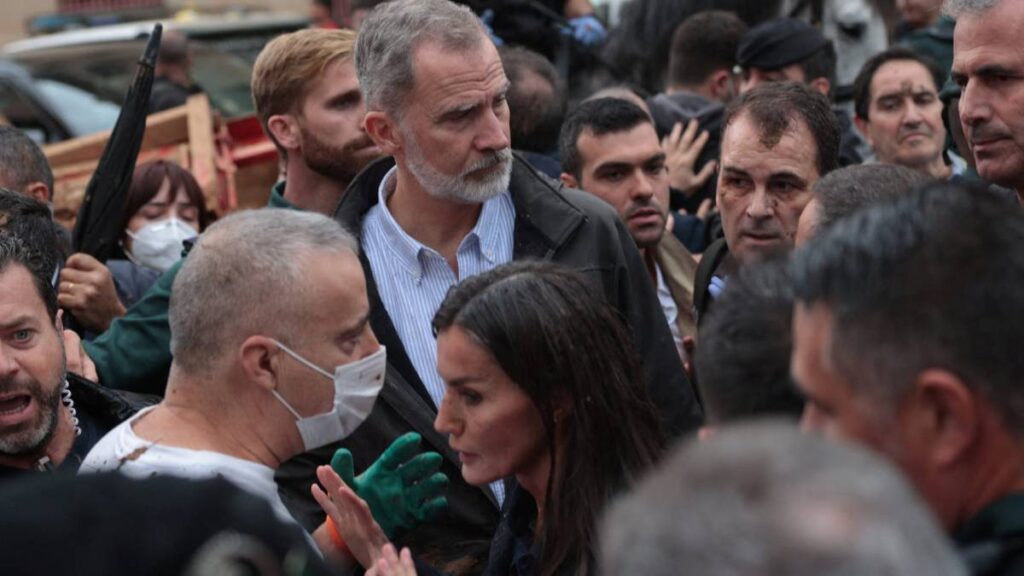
x: 164, y: 207
x: 543, y: 385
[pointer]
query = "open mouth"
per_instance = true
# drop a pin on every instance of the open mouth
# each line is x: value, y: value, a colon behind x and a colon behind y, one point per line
x: 14, y: 404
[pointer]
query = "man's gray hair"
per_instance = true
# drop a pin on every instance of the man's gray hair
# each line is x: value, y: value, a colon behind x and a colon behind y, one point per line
x: 957, y: 8
x: 245, y: 276
x: 391, y: 33
x: 22, y: 161
x: 763, y: 498
x: 852, y: 188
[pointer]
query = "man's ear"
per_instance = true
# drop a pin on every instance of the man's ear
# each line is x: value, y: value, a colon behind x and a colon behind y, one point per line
x: 821, y: 84
x: 261, y: 361
x: 569, y: 180
x: 941, y: 418
x: 719, y: 83
x: 58, y: 321
x: 862, y: 127
x: 381, y: 128
x: 39, y: 191
x: 285, y: 130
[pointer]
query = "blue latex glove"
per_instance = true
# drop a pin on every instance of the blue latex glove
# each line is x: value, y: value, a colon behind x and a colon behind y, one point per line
x: 587, y: 30
x: 487, y: 19
x: 402, y: 488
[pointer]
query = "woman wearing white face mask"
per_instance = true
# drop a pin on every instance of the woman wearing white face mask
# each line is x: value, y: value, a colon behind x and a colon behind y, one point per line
x: 164, y: 207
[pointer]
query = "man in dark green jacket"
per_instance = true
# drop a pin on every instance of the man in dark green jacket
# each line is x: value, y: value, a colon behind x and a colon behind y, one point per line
x: 906, y: 338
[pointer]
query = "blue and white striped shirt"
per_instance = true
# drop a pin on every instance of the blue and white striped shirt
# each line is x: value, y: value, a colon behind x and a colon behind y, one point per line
x: 413, y: 280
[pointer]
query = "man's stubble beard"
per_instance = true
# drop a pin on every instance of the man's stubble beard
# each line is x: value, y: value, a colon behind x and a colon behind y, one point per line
x: 34, y: 440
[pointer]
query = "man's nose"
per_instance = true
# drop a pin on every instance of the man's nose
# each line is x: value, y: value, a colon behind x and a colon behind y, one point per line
x: 760, y: 206
x: 643, y: 187
x: 8, y: 366
x: 973, y: 104
x: 494, y: 132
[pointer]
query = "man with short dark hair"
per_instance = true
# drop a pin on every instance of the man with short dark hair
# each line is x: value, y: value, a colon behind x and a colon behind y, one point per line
x: 23, y: 165
x: 787, y: 49
x: 778, y: 140
x: 172, y: 84
x: 610, y: 149
x: 898, y: 110
x: 989, y: 68
x: 742, y: 363
x: 906, y: 334
x: 49, y: 418
x: 700, y: 83
x: 536, y: 105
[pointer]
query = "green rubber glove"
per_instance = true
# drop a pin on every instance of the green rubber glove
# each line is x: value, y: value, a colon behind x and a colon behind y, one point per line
x: 403, y: 487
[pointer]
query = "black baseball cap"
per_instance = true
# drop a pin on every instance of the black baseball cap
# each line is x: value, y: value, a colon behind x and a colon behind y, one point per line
x: 778, y: 43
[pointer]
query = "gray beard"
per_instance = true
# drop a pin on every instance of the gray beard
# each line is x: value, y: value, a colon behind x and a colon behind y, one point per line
x: 458, y: 188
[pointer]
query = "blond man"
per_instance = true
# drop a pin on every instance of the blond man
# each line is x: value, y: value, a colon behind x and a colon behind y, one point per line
x: 307, y: 97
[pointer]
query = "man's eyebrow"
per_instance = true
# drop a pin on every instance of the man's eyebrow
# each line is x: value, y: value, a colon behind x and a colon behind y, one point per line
x: 659, y: 157
x: 357, y: 327
x: 17, y: 322
x: 352, y: 95
x: 613, y: 165
x: 735, y: 171
x: 989, y: 70
x: 787, y: 176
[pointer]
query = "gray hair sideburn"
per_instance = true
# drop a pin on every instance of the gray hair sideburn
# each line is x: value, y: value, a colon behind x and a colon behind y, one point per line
x: 391, y: 33
x: 957, y: 8
x: 245, y: 276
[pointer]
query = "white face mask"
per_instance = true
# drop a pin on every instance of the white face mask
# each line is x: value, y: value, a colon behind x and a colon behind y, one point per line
x: 159, y: 244
x: 356, y: 386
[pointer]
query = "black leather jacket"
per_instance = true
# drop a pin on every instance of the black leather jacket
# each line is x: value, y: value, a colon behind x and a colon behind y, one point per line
x: 99, y: 410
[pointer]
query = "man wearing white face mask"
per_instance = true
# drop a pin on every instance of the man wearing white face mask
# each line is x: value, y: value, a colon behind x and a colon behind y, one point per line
x: 253, y: 384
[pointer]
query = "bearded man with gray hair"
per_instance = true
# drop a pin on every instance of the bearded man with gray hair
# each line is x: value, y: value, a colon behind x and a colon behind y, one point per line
x: 453, y: 202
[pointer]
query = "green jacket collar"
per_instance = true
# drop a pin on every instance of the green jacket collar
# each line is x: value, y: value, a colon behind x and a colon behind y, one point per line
x: 277, y: 198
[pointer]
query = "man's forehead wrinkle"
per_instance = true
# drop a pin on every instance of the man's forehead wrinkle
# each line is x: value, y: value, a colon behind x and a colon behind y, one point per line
x: 445, y: 92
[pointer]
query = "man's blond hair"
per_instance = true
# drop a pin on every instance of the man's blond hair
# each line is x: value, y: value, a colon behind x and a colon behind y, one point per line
x: 290, y: 64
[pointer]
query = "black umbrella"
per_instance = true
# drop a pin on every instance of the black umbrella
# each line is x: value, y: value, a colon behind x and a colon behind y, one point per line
x: 100, y: 219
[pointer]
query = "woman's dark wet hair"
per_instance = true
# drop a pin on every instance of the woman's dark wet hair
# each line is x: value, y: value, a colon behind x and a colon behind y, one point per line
x: 559, y: 341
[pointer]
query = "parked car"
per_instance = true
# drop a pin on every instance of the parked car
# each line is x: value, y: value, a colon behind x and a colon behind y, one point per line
x: 71, y: 84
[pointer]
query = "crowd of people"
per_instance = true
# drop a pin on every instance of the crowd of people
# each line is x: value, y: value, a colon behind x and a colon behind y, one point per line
x: 735, y: 316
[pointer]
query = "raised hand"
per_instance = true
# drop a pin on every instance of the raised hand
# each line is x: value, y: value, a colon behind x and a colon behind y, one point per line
x: 87, y: 291
x: 351, y: 516
x: 403, y: 488
x: 682, y: 147
x: 392, y: 564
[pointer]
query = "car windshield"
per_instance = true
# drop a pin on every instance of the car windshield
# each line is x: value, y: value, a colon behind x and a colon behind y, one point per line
x: 86, y: 84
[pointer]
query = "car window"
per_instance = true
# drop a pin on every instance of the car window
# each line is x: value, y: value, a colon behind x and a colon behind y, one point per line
x: 81, y: 110
x: 19, y: 111
x: 97, y: 76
